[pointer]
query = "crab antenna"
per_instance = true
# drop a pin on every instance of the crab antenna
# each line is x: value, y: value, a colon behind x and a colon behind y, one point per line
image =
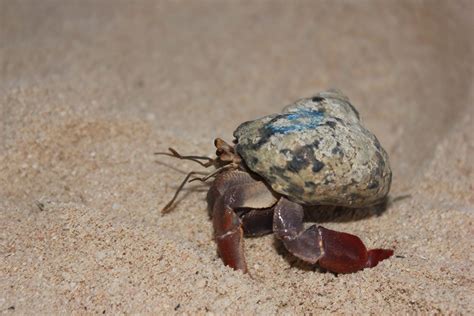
x: 175, y: 154
x: 167, y: 207
x: 212, y: 174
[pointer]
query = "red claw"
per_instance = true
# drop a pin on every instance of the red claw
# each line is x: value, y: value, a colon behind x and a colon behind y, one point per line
x: 229, y: 239
x: 346, y: 253
x: 377, y: 255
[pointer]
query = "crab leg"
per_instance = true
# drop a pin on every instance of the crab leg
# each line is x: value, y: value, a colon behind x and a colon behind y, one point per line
x: 257, y: 222
x: 233, y: 190
x: 335, y: 251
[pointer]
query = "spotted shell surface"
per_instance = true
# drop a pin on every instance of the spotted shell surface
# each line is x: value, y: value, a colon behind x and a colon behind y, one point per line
x: 317, y: 152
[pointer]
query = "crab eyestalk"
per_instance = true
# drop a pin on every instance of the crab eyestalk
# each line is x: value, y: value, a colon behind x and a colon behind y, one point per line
x: 226, y: 152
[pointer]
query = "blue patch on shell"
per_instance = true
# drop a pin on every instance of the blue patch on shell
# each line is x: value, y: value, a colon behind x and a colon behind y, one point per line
x: 296, y: 121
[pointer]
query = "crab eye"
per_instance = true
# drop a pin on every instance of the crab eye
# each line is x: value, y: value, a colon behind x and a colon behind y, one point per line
x: 317, y: 99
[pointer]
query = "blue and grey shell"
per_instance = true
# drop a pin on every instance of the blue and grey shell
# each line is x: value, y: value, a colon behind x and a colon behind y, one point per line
x: 316, y: 152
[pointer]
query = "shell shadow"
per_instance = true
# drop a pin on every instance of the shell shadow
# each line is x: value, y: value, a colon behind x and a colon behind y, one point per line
x: 324, y: 214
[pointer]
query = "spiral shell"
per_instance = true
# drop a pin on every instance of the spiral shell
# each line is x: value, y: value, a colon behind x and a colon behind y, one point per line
x: 316, y: 152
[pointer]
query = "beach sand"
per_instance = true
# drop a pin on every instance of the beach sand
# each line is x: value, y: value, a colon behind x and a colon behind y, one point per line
x: 90, y: 90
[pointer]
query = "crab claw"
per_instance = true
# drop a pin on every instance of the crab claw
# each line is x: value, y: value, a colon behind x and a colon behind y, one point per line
x: 229, y: 238
x: 346, y: 253
x: 232, y: 190
x: 335, y: 251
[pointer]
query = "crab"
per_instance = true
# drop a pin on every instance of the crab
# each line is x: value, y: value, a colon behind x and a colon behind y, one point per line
x: 314, y: 153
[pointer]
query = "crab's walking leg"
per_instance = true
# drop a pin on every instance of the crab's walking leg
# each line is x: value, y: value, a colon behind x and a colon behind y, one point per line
x: 233, y: 190
x: 257, y: 222
x: 336, y: 251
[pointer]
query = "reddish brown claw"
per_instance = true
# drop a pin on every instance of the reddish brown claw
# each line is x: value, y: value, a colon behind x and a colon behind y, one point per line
x: 231, y: 191
x: 335, y: 251
x: 377, y: 255
x: 229, y: 238
x: 346, y: 253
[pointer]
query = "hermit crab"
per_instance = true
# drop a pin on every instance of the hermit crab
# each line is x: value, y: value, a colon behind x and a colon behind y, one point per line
x: 314, y: 153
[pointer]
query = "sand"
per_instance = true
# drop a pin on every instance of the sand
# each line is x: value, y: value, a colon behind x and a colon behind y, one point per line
x: 89, y: 90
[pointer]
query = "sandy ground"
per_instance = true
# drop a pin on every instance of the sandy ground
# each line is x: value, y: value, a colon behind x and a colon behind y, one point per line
x: 89, y: 90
